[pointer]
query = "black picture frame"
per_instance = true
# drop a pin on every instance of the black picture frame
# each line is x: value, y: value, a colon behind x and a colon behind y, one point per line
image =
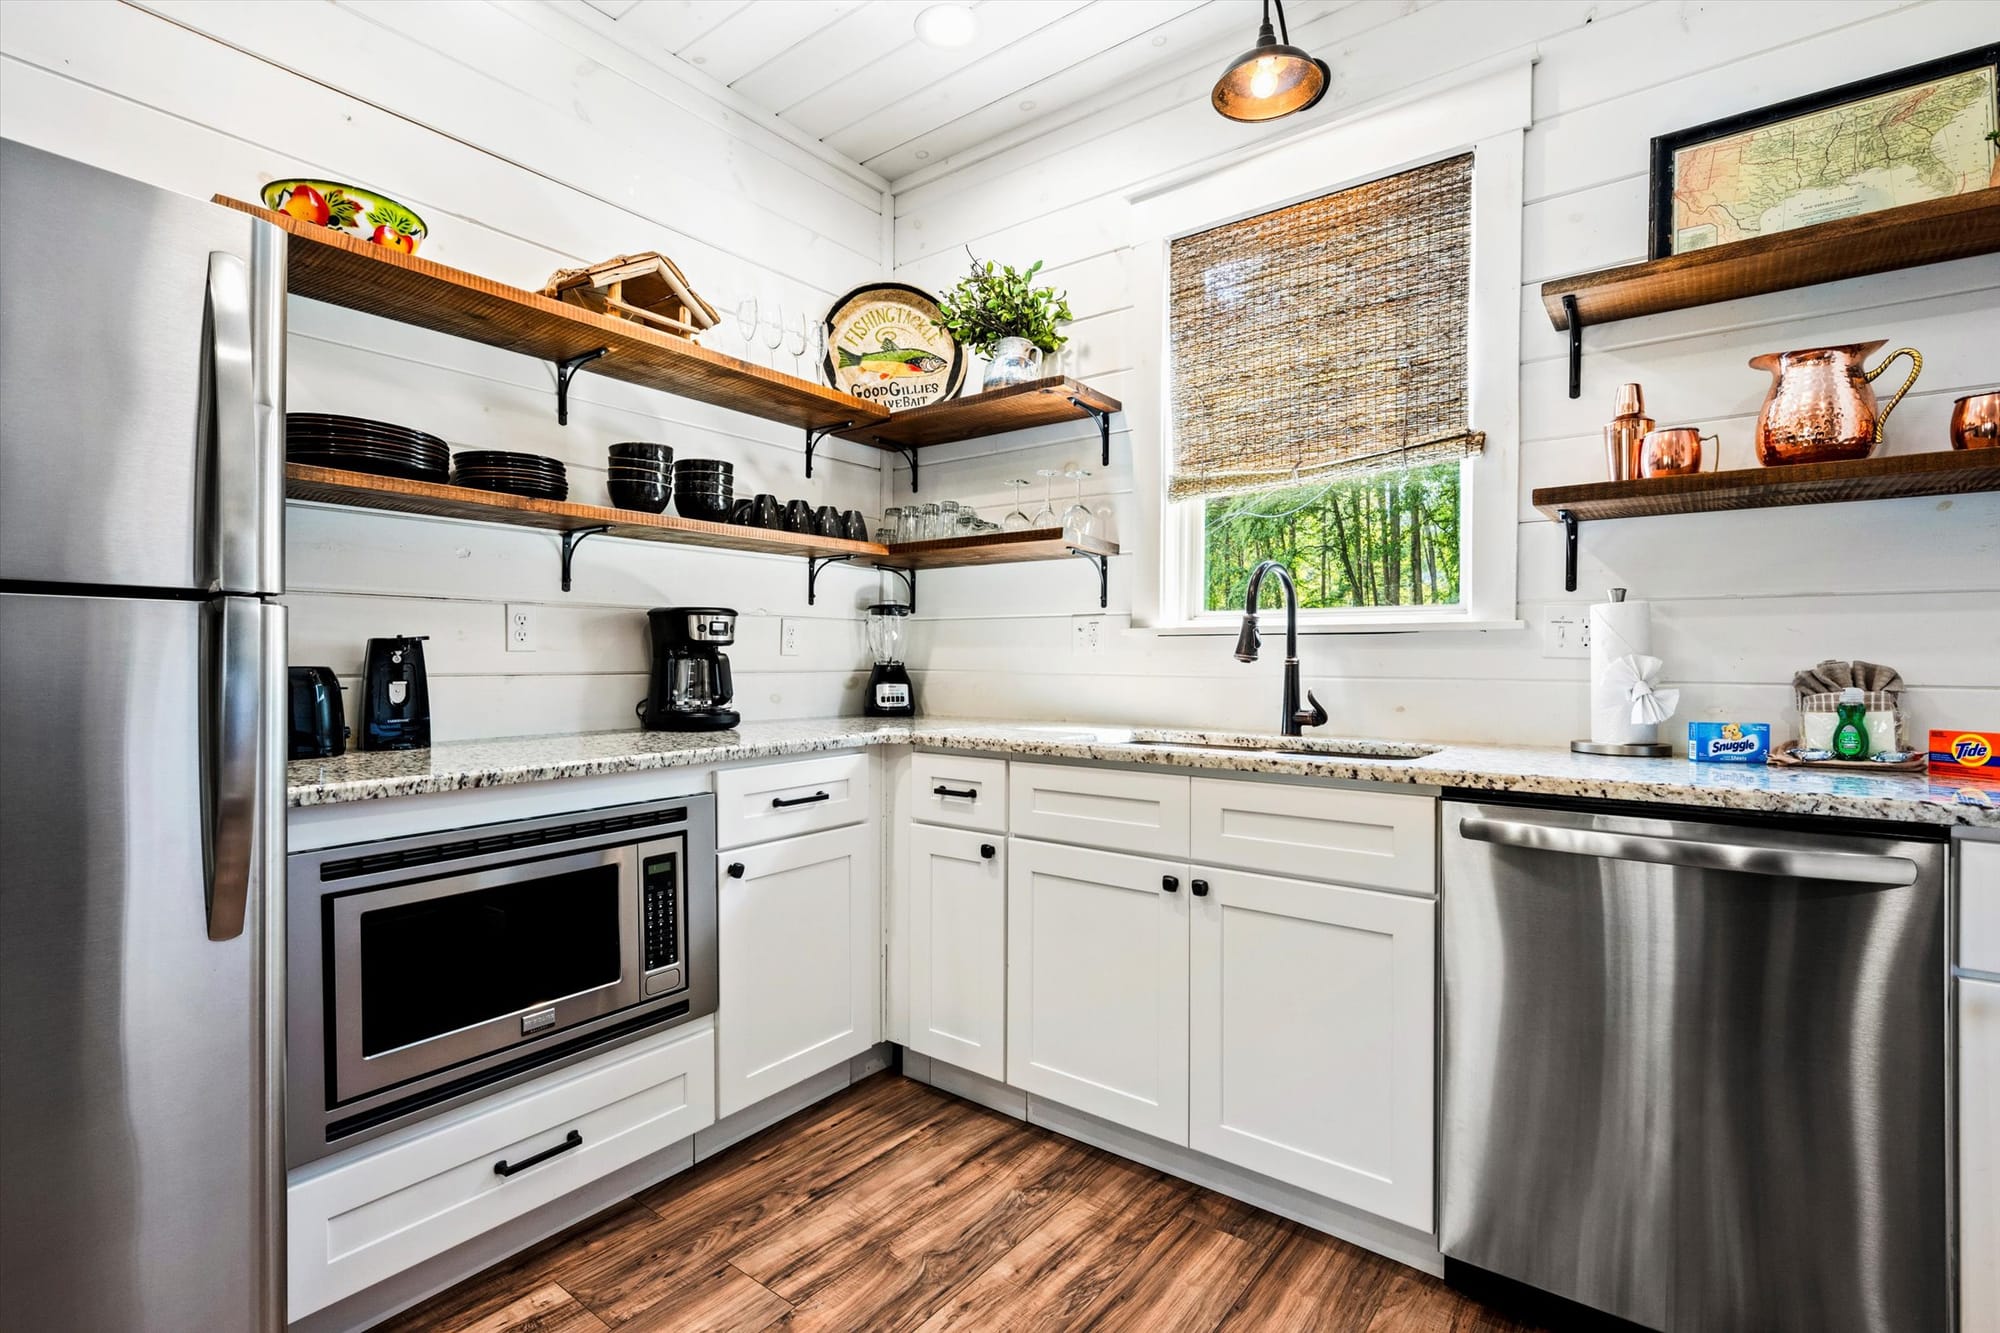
x: 1660, y: 214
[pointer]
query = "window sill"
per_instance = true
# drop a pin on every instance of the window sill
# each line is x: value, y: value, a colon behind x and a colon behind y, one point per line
x: 1272, y: 618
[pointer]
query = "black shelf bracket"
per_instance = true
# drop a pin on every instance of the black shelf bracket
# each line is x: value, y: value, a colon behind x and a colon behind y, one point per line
x: 909, y: 453
x: 566, y: 369
x: 1575, y: 322
x: 909, y: 578
x: 814, y: 434
x: 814, y: 565
x: 573, y: 539
x: 1567, y: 517
x: 1103, y: 563
x: 1103, y: 420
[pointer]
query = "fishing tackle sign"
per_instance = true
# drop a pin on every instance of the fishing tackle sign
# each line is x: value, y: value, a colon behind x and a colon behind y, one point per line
x: 883, y: 346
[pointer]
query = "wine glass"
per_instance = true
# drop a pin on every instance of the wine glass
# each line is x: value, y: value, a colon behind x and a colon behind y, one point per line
x: 1045, y: 517
x: 795, y: 342
x: 1077, y: 518
x: 817, y: 350
x: 1017, y: 519
x: 746, y: 323
x: 774, y: 332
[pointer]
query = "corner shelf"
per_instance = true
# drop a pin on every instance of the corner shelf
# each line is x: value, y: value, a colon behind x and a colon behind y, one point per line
x: 1042, y: 402
x: 575, y: 522
x: 1925, y: 233
x: 1940, y: 472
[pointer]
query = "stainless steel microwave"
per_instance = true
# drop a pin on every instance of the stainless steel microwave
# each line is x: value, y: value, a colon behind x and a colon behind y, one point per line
x: 424, y: 971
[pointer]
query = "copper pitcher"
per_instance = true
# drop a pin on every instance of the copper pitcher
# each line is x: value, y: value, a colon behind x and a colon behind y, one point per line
x: 1821, y: 407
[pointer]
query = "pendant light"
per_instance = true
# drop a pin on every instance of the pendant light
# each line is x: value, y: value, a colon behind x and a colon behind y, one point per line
x: 1272, y: 79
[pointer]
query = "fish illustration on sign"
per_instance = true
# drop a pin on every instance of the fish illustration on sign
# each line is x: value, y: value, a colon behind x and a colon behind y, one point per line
x: 890, y: 361
x: 885, y: 346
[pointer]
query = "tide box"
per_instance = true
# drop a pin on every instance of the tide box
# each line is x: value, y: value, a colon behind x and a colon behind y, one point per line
x: 1962, y: 757
x: 1729, y: 742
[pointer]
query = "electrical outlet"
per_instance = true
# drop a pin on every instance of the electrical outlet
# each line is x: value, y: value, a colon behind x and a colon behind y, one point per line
x: 1566, y: 631
x: 1086, y: 636
x: 788, y: 638
x: 520, y: 629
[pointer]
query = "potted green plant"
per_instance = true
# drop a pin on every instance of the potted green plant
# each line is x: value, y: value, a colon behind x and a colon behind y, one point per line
x: 999, y: 312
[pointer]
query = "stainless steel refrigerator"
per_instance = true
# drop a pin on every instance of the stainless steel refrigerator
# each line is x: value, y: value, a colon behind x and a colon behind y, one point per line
x: 142, y: 687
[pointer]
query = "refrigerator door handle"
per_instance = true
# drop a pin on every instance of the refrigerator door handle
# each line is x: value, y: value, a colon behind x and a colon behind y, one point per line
x: 243, y: 413
x: 1848, y: 867
x: 233, y: 686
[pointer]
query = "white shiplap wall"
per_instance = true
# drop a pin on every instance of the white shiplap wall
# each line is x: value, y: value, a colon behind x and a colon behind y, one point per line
x: 527, y: 143
x: 1741, y: 600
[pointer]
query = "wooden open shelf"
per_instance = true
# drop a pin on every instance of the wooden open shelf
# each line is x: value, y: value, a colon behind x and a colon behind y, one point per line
x: 1945, y: 472
x: 1926, y: 233
x: 343, y: 270
x: 994, y: 548
x: 1042, y: 402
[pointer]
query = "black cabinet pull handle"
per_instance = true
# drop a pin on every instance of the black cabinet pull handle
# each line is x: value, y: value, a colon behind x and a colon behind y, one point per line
x: 971, y: 794
x: 1199, y: 887
x: 780, y: 802
x: 736, y: 870
x: 505, y: 1168
x: 986, y: 850
x: 1169, y: 883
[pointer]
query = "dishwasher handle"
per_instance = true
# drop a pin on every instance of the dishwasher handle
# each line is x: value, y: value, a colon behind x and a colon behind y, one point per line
x: 1889, y: 872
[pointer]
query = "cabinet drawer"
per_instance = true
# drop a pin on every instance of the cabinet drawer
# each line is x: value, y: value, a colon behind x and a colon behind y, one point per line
x: 767, y: 801
x: 1380, y: 840
x: 1978, y: 904
x: 959, y: 791
x: 1099, y: 807
x: 366, y: 1220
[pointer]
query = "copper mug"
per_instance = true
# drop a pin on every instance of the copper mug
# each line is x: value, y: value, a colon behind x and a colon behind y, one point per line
x: 1675, y: 451
x: 1821, y: 407
x: 1975, y: 421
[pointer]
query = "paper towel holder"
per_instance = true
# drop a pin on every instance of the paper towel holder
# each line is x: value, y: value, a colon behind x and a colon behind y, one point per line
x: 1632, y: 750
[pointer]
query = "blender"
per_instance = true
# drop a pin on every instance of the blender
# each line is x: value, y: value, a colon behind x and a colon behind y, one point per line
x: 889, y: 691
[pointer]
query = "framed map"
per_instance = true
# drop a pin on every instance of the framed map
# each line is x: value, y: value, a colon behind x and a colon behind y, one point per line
x: 1920, y: 133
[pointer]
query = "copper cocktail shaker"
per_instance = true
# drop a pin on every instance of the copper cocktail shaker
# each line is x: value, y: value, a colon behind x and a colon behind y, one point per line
x: 1624, y: 436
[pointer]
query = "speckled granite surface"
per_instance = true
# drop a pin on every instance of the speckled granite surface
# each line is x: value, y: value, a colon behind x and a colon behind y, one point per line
x: 458, y: 766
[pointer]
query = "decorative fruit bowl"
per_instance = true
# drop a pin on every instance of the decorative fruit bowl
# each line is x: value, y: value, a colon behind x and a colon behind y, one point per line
x: 349, y: 208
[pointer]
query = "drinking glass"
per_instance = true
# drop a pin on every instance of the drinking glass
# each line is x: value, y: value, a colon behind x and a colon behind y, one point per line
x: 968, y: 521
x: 1045, y: 517
x: 947, y: 524
x: 774, y: 332
x: 928, y: 526
x: 891, y: 529
x: 795, y: 342
x: 1077, y: 518
x: 909, y: 525
x: 746, y: 323
x: 1017, y: 519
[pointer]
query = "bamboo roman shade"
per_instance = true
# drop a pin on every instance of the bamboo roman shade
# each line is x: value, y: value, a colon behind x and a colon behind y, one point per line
x: 1326, y: 339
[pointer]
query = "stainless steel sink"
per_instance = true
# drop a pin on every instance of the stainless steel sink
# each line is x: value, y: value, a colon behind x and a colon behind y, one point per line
x: 1314, y: 747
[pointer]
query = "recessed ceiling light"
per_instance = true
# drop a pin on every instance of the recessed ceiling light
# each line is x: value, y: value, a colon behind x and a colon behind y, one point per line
x: 700, y: 60
x: 1159, y: 41
x: 1028, y: 104
x: 923, y: 153
x: 947, y: 26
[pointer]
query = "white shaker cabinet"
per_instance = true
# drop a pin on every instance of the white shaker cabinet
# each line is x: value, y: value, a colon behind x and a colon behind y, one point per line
x: 800, y: 960
x: 1312, y: 1037
x: 1097, y: 983
x: 1979, y: 1155
x: 958, y: 948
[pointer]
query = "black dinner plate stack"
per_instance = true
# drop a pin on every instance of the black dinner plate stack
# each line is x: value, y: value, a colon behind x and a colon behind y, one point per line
x: 530, y: 475
x: 326, y: 439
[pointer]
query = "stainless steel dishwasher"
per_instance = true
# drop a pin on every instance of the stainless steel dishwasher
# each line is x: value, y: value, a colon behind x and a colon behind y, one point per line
x: 1695, y: 1074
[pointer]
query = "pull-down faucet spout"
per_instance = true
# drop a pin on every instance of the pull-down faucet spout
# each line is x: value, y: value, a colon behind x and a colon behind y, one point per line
x: 1293, y: 718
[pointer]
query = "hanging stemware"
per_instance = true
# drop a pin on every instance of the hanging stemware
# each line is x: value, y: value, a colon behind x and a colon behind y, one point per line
x: 746, y: 324
x: 1045, y: 517
x: 795, y: 342
x: 1077, y: 519
x: 1017, y: 519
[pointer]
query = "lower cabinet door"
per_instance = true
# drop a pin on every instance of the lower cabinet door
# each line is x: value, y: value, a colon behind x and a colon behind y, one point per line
x: 958, y: 948
x: 1097, y: 983
x: 1979, y: 1155
x: 1314, y: 1038
x: 800, y: 961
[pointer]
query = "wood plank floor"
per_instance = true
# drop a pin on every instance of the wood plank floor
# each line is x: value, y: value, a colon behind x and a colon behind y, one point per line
x: 896, y: 1207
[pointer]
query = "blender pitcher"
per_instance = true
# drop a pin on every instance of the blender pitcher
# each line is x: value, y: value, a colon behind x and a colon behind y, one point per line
x: 889, y: 691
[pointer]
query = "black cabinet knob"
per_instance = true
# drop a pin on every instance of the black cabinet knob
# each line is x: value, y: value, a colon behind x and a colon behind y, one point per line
x: 736, y: 870
x: 1169, y: 883
x: 986, y: 850
x: 1199, y: 887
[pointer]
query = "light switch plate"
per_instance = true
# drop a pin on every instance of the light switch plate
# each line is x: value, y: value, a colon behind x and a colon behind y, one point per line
x: 520, y: 629
x: 1566, y: 631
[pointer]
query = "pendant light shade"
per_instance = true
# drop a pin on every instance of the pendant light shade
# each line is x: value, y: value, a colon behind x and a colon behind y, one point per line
x: 1272, y: 79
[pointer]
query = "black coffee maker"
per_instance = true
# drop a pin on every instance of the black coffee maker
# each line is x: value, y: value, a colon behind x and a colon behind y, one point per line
x: 690, y: 681
x: 395, y: 696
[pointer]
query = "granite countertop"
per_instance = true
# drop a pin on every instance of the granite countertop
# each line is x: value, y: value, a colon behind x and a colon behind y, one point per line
x: 1534, y: 770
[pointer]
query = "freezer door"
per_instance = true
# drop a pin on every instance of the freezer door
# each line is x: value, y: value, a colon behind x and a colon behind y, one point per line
x: 142, y: 365
x: 140, y: 1171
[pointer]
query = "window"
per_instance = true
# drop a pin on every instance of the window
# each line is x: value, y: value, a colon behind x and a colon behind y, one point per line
x: 1318, y: 395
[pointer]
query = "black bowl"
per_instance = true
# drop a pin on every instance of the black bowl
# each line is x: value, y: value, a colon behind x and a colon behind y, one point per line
x: 660, y: 475
x: 663, y: 453
x: 696, y: 505
x: 704, y: 465
x: 646, y: 497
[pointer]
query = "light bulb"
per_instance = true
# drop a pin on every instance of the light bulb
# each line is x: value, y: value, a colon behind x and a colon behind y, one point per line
x: 1264, y: 81
x: 947, y: 26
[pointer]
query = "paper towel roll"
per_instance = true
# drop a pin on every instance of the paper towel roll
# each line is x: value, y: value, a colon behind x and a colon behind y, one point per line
x: 1617, y: 629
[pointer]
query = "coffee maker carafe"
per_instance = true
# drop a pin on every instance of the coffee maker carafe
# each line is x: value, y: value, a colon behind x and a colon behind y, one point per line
x: 690, y: 678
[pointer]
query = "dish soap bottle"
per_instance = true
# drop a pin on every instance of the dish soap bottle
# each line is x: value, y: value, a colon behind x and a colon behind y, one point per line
x: 1850, y: 727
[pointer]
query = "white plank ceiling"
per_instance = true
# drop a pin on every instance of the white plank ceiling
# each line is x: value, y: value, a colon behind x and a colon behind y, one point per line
x: 853, y: 74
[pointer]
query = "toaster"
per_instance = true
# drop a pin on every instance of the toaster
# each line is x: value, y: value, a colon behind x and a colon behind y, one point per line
x: 319, y: 722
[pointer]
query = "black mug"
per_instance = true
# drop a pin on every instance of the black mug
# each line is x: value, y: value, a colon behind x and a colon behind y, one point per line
x: 854, y: 526
x: 798, y: 516
x: 768, y: 513
x: 826, y: 521
x: 742, y: 512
